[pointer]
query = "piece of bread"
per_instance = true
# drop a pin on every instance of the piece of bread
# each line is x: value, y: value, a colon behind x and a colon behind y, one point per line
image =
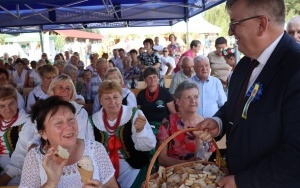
x: 62, y: 152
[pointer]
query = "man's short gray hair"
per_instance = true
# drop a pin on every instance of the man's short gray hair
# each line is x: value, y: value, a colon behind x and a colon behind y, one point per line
x: 69, y: 69
x: 294, y: 20
x: 275, y: 9
x: 101, y: 61
x: 199, y: 58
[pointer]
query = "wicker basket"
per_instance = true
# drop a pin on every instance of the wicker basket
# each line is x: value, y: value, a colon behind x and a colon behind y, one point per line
x: 219, y: 161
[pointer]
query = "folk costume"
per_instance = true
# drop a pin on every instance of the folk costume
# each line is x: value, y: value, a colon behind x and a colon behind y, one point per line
x: 14, y: 142
x: 129, y: 151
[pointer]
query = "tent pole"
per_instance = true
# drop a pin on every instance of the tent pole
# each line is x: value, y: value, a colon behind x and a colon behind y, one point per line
x: 186, y: 19
x: 41, y: 40
x: 187, y: 34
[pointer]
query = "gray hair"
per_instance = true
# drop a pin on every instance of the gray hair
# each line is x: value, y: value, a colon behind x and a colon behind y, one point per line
x: 101, y: 61
x: 293, y: 20
x: 275, y: 9
x: 199, y: 58
x: 185, y: 85
x: 69, y: 69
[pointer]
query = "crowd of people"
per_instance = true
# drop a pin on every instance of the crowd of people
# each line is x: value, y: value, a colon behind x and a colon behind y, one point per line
x: 257, y: 111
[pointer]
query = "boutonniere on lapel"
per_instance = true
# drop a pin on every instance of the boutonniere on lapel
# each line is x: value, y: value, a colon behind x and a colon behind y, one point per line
x: 254, y: 94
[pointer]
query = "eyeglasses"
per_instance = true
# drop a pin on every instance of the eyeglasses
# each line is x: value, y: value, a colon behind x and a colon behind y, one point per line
x: 165, y: 51
x: 233, y: 25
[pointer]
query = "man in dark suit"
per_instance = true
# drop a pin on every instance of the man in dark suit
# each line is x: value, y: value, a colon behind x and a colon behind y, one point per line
x: 263, y: 128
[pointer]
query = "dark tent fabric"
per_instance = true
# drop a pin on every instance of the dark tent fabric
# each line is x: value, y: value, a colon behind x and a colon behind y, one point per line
x: 78, y: 14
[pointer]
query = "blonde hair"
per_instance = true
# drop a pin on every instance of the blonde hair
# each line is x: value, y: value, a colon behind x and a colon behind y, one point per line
x: 109, y: 86
x: 65, y: 78
x: 8, y: 92
x: 112, y: 70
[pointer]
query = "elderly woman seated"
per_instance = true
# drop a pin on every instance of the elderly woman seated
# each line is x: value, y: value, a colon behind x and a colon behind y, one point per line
x: 182, y: 148
x: 126, y: 134
x: 4, y: 80
x: 16, y: 130
x: 43, y: 167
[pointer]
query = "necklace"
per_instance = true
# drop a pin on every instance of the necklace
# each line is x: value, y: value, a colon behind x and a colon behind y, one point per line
x: 112, y: 129
x: 152, y: 98
x: 9, y: 123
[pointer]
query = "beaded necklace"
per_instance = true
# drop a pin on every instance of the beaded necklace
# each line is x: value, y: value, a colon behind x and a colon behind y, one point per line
x: 112, y: 129
x: 9, y: 123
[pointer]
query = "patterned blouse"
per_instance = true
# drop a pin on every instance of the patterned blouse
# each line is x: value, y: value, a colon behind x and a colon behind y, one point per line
x: 181, y: 147
x: 175, y: 51
x: 134, y: 71
x: 149, y: 59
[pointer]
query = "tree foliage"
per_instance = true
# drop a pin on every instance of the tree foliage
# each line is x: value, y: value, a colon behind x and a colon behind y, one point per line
x: 292, y: 8
x: 219, y: 16
x: 1, y: 39
x: 59, y: 42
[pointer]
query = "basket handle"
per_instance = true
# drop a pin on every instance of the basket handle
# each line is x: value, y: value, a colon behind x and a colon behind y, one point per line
x: 161, y: 147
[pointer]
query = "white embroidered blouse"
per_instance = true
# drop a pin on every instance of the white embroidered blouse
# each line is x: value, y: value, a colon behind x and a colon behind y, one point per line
x: 34, y: 175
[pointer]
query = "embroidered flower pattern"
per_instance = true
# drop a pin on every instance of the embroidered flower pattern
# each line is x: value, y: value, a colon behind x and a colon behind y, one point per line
x: 228, y: 51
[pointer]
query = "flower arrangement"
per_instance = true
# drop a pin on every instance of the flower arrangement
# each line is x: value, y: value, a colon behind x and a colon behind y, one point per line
x: 254, y: 94
x: 228, y: 51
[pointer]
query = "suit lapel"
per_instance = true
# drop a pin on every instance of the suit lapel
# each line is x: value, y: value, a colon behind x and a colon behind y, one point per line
x: 238, y: 82
x: 271, y: 67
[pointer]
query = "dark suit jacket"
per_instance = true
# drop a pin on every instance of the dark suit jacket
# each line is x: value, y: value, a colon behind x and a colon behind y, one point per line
x: 264, y: 149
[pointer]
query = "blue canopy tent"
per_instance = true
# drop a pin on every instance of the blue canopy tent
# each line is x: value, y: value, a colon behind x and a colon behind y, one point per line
x: 39, y: 15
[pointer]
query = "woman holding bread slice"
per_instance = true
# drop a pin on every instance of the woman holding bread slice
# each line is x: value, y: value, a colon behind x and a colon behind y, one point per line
x: 126, y: 134
x: 57, y: 162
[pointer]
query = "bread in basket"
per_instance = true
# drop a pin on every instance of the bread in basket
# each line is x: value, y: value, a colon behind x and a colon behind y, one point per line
x: 196, y: 174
